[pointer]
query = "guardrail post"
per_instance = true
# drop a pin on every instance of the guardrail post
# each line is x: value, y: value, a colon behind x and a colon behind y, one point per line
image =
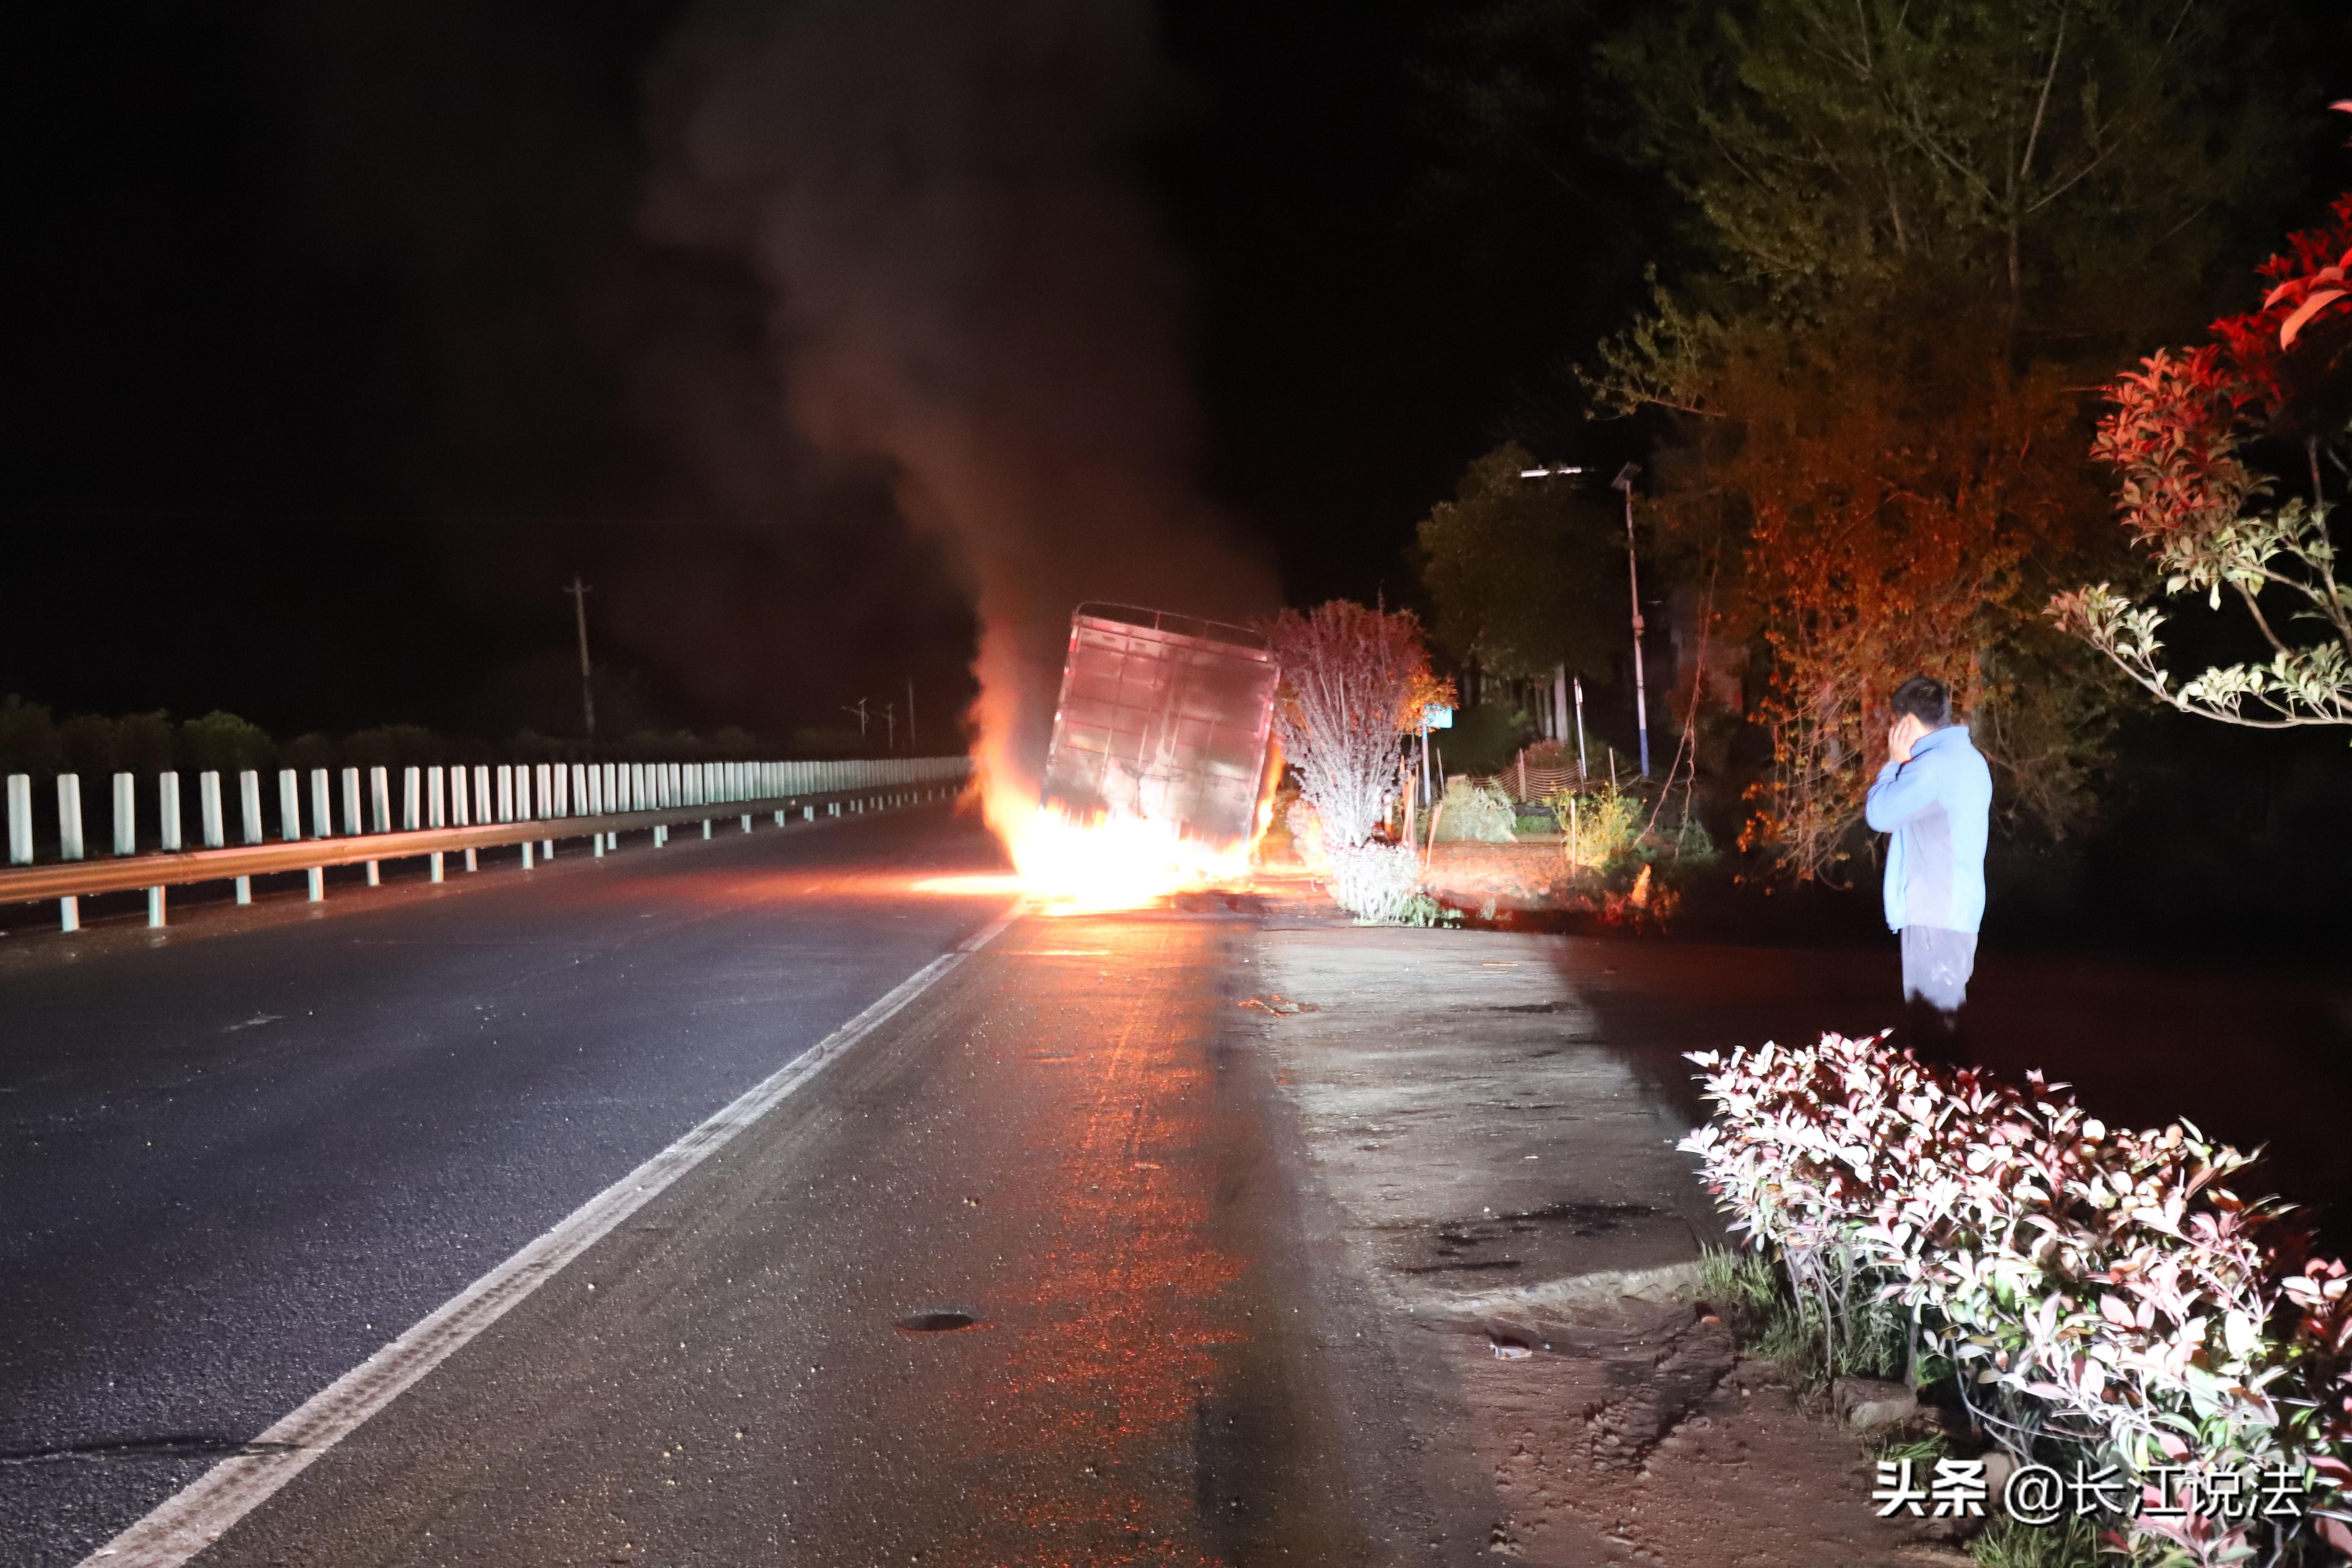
x: 126, y: 815
x: 437, y: 865
x: 68, y: 817
x: 412, y: 799
x: 458, y: 816
x: 208, y: 810
x: 167, y: 811
x: 290, y: 805
x: 506, y: 792
x: 154, y: 908
x: 527, y: 861
x: 20, y: 819
x: 380, y: 799
x: 317, y: 884
x: 564, y: 772
x: 350, y: 803
x: 322, y: 821
x: 545, y: 805
x: 436, y: 813
x: 70, y: 843
x: 249, y: 800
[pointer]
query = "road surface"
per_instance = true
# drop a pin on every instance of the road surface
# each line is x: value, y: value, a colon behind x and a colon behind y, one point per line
x: 238, y: 1167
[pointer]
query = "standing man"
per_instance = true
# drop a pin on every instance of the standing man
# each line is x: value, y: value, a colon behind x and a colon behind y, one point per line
x: 1935, y: 796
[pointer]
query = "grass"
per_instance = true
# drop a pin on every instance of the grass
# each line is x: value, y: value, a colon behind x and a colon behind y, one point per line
x: 1767, y: 1319
x: 2069, y: 1543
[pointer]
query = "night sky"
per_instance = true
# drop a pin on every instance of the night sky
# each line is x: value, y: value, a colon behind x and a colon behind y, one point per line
x: 338, y: 338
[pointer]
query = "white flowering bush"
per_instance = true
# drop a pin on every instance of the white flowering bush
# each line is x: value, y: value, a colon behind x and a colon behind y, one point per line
x: 1377, y: 883
x: 2093, y: 1289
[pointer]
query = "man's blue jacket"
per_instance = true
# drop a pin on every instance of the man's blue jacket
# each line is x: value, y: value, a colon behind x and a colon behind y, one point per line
x: 1938, y: 806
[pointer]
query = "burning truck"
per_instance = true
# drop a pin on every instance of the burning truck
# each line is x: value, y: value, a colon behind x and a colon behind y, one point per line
x: 1159, y: 763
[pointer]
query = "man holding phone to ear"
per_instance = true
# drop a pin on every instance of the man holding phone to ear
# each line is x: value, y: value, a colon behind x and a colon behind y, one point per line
x: 1935, y: 796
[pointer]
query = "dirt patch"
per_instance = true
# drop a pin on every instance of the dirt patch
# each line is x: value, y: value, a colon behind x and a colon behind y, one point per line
x: 1509, y: 1190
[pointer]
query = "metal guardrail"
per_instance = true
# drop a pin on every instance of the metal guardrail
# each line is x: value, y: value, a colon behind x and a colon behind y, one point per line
x: 69, y: 880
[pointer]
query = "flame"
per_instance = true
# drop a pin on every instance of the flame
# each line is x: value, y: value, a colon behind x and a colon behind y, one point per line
x: 1075, y: 866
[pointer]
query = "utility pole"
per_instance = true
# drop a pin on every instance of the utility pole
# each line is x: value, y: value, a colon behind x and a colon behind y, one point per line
x: 1580, y: 732
x: 890, y: 717
x: 860, y: 712
x: 1624, y: 482
x: 580, y: 591
x: 910, y: 712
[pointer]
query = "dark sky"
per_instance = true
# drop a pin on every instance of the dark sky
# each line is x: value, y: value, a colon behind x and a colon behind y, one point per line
x: 336, y: 340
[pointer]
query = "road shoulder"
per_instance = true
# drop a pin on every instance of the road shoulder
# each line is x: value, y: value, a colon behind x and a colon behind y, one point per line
x: 1505, y: 1191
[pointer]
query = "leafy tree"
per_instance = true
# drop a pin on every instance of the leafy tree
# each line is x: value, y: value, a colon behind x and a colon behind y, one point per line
x: 1919, y: 224
x: 225, y: 743
x: 2179, y: 434
x: 1524, y: 574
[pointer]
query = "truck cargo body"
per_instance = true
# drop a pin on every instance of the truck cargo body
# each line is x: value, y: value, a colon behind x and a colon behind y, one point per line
x: 1163, y: 718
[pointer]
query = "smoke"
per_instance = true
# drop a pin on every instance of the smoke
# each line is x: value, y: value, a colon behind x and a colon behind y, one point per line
x: 965, y: 286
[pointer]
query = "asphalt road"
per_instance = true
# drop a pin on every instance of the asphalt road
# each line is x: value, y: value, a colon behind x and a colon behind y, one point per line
x: 237, y: 1167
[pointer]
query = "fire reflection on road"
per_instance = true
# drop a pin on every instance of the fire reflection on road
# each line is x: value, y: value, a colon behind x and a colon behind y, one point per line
x: 1116, y: 1326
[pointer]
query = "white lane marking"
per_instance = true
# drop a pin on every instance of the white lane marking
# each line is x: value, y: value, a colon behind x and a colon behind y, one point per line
x: 195, y: 1516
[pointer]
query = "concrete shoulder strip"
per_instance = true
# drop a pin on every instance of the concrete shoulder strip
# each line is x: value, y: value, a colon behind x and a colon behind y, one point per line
x: 197, y: 1516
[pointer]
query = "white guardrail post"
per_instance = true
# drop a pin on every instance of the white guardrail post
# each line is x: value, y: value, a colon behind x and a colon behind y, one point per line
x: 20, y: 819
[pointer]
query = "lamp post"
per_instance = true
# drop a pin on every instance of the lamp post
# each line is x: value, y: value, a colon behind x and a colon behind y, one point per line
x: 1624, y: 482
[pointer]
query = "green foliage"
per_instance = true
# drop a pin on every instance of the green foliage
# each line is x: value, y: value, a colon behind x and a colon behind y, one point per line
x: 29, y: 738
x: 1484, y: 738
x: 1602, y: 825
x: 1424, y: 911
x: 2071, y: 1542
x: 2034, y: 154
x: 223, y: 744
x: 1475, y: 812
x: 1523, y: 571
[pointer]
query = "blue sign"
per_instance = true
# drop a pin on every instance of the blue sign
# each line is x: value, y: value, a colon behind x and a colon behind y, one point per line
x: 1436, y: 717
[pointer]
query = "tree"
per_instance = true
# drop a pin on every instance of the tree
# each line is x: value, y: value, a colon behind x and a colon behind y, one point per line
x: 2178, y: 434
x: 1350, y: 678
x: 1524, y: 574
x: 1916, y: 226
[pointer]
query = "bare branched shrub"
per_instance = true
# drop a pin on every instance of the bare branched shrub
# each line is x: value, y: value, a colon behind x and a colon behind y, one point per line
x: 1350, y: 676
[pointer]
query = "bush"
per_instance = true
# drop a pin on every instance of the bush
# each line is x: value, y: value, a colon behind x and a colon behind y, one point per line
x: 2098, y: 1295
x: 1476, y: 812
x: 1377, y: 883
x: 1601, y: 826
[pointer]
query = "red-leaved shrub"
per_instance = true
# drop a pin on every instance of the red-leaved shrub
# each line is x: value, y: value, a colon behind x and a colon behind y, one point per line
x: 2092, y: 1289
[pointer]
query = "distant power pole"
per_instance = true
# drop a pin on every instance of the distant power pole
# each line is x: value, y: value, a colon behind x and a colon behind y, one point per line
x: 860, y: 712
x: 580, y: 591
x: 910, y: 712
x: 890, y: 717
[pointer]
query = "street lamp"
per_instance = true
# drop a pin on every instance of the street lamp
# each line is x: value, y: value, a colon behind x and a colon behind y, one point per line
x: 1624, y: 482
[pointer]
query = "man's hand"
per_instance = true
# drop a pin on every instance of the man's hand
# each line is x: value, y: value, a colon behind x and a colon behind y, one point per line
x: 1907, y: 732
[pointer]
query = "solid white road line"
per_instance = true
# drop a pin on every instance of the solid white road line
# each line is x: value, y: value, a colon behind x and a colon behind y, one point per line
x: 195, y: 1516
